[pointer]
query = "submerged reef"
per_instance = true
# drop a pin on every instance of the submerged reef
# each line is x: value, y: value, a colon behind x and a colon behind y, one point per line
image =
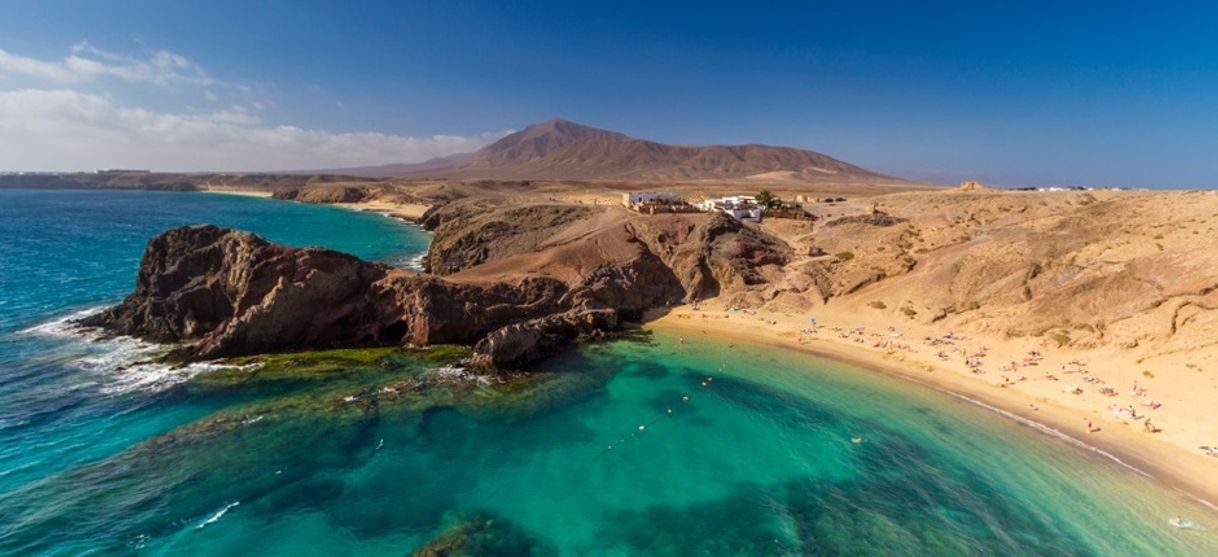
x: 482, y: 534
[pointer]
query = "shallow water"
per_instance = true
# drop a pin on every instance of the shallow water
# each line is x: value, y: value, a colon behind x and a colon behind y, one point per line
x: 598, y: 454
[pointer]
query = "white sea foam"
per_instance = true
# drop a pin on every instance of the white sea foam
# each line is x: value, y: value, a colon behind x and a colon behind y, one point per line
x: 456, y: 373
x: 123, y: 363
x: 416, y: 263
x: 412, y: 263
x: 65, y: 326
x: 1054, y: 432
x: 219, y: 514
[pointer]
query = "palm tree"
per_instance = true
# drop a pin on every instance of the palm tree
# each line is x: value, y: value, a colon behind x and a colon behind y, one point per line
x: 766, y: 199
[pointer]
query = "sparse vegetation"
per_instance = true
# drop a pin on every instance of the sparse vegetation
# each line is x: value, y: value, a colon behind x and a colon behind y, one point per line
x: 878, y: 305
x: 908, y: 311
x: 1148, y: 374
x: 844, y: 256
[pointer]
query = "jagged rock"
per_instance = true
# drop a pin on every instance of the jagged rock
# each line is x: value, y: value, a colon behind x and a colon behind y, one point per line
x: 531, y: 340
x: 227, y: 292
x: 706, y: 257
x: 239, y: 293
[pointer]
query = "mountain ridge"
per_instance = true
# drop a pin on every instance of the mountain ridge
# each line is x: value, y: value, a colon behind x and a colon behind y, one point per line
x: 559, y: 149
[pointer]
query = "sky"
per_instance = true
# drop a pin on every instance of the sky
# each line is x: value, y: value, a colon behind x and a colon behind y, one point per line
x: 1016, y: 94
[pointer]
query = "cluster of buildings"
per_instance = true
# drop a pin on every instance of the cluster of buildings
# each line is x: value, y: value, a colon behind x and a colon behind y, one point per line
x: 739, y: 207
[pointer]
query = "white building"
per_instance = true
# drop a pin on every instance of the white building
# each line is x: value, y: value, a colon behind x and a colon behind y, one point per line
x: 740, y: 207
x: 636, y: 198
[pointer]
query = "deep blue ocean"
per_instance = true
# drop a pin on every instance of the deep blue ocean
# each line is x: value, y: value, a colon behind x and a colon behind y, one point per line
x: 637, y: 446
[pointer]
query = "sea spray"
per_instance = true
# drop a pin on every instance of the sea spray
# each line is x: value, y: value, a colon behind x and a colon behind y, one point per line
x: 125, y: 364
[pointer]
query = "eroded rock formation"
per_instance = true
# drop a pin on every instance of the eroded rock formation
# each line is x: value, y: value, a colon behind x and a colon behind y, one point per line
x: 223, y: 292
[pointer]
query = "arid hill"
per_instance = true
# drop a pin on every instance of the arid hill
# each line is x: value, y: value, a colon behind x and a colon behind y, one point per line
x: 563, y: 150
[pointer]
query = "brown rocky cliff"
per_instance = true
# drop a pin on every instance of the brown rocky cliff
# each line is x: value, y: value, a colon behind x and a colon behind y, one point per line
x: 225, y: 292
x: 553, y: 274
x: 233, y: 292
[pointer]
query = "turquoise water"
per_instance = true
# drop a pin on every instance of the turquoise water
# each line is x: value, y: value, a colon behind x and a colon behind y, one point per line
x: 598, y: 453
x: 66, y: 251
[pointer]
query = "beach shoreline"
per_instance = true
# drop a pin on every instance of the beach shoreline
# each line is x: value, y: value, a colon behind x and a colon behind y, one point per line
x: 240, y: 192
x: 410, y: 212
x: 1162, y: 461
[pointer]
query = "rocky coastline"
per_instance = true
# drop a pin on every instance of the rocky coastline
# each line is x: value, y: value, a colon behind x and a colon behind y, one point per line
x: 214, y: 293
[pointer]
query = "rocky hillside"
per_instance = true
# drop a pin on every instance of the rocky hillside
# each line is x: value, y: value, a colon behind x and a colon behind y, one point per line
x: 1087, y: 269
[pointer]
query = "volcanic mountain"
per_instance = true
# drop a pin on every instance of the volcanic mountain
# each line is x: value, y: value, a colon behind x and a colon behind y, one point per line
x: 564, y: 150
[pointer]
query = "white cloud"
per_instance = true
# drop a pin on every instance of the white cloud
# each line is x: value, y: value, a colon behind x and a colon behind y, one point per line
x: 71, y: 130
x: 88, y: 63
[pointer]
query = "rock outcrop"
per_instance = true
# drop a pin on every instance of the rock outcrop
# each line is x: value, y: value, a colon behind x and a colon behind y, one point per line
x: 219, y: 293
x: 712, y: 253
x: 472, y: 231
x: 530, y: 340
x: 233, y: 293
x: 222, y: 293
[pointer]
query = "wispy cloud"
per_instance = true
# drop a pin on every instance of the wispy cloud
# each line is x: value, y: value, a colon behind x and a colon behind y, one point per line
x: 69, y: 114
x: 64, y: 129
x: 88, y: 63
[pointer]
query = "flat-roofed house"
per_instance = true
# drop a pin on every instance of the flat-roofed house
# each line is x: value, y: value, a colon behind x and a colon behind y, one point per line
x: 739, y: 207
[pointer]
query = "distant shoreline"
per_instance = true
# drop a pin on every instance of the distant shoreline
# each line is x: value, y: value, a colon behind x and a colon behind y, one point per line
x: 411, y: 212
x: 242, y: 193
x: 1180, y: 471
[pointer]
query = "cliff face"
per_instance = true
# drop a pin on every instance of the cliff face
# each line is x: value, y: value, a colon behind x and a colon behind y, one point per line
x: 224, y: 292
x: 233, y: 292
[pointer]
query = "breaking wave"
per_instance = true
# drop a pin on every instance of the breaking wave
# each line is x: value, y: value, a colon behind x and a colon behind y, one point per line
x: 123, y: 364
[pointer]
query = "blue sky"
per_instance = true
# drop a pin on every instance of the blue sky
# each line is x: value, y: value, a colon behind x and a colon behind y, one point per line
x: 1030, y: 93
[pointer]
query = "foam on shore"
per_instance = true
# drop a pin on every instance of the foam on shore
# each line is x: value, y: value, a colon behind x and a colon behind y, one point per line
x: 124, y: 364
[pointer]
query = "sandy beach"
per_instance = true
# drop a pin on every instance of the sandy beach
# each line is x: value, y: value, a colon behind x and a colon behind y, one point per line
x: 246, y: 193
x: 407, y: 211
x: 1027, y: 395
